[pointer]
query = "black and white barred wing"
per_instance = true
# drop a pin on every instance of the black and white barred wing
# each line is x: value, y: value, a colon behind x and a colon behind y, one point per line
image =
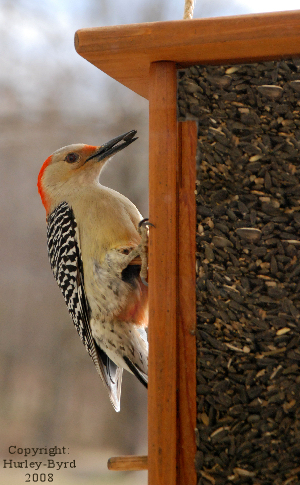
x: 66, y: 263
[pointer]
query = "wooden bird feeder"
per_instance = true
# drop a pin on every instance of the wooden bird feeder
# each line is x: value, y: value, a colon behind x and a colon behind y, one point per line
x: 145, y: 58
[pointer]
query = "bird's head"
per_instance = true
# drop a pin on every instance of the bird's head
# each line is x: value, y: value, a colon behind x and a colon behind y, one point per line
x: 74, y: 165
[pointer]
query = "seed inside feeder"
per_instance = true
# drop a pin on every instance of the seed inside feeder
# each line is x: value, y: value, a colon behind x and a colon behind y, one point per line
x: 250, y: 233
x: 271, y: 91
x: 248, y: 287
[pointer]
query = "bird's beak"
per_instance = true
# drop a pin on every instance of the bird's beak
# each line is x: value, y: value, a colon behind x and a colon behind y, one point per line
x: 113, y: 146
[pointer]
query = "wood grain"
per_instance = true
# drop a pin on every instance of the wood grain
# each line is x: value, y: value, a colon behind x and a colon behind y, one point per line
x: 128, y: 463
x: 125, y: 52
x: 186, y: 340
x: 163, y: 251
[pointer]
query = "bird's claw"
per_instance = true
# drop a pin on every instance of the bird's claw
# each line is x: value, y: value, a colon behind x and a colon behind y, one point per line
x: 144, y: 281
x: 145, y: 222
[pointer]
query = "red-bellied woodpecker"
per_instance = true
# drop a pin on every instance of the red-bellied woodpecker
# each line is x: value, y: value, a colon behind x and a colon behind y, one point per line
x: 93, y: 234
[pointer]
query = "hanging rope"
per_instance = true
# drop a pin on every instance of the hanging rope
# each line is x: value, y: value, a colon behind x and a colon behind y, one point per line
x: 188, y: 9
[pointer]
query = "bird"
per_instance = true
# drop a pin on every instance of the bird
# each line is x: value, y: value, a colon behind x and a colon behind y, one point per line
x: 97, y: 248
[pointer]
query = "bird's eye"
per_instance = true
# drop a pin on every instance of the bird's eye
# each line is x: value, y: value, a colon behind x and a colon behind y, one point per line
x: 71, y: 158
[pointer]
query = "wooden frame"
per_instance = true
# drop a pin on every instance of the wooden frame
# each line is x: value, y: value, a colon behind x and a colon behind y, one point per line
x: 125, y: 52
x: 172, y: 354
x: 144, y: 57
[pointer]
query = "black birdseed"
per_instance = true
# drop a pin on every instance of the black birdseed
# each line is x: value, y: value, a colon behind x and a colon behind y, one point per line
x: 248, y: 267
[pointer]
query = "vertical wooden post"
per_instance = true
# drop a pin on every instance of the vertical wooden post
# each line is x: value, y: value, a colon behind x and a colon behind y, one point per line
x: 163, y: 251
x: 186, y: 340
x: 172, y: 300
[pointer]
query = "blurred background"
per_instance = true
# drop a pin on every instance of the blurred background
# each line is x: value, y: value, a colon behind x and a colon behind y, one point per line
x: 50, y: 393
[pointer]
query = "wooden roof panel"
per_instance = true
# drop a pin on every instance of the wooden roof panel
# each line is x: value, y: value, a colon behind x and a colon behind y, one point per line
x: 125, y: 52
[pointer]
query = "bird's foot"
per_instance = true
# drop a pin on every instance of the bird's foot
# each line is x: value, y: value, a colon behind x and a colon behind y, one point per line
x: 140, y: 251
x: 144, y: 232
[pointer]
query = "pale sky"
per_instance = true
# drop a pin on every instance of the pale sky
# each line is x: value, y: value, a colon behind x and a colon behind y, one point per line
x: 249, y: 6
x: 269, y: 5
